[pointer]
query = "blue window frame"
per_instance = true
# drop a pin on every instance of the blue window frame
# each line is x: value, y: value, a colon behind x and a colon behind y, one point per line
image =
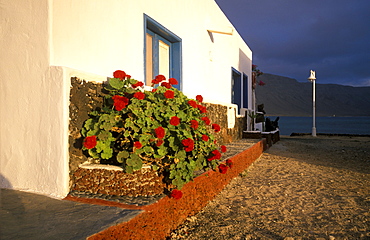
x: 236, y: 88
x: 162, y: 52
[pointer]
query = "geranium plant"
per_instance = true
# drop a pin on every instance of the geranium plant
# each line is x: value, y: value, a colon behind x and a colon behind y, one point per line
x: 255, y: 73
x: 161, y: 128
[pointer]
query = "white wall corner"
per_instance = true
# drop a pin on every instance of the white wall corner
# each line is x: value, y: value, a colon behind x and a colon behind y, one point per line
x: 231, y: 115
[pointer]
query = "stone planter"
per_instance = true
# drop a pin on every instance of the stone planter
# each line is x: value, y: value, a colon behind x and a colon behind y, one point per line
x: 112, y: 180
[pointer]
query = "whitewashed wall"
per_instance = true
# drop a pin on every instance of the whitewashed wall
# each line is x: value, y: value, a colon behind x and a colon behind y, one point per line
x: 102, y: 36
x: 43, y: 40
x: 33, y: 104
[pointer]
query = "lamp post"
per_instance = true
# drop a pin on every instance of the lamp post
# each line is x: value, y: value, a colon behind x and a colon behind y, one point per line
x: 312, y: 79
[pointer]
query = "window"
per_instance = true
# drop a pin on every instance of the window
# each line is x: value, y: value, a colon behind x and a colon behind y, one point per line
x: 236, y: 88
x: 245, y: 91
x: 162, y: 52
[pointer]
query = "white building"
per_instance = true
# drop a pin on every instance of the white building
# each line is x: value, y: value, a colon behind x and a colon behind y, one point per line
x: 45, y: 42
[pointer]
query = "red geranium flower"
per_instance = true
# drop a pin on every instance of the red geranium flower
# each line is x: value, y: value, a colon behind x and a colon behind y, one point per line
x: 158, y: 79
x: 205, y: 138
x: 206, y: 120
x: 222, y: 168
x: 188, y: 144
x: 169, y: 94
x: 229, y: 163
x: 139, y: 95
x: 90, y: 142
x: 194, y: 124
x: 223, y: 148
x: 160, y: 132
x: 216, y: 127
x: 128, y: 76
x: 199, y: 98
x: 166, y: 85
x: 119, y: 74
x: 159, y: 142
x: 120, y: 102
x: 173, y: 81
x: 138, y: 84
x: 216, y: 155
x: 192, y: 103
x: 138, y: 145
x: 202, y: 109
x: 154, y: 90
x: 176, y: 194
x: 175, y: 121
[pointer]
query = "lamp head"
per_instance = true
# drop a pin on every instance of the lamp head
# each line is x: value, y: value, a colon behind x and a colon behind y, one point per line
x: 312, y: 76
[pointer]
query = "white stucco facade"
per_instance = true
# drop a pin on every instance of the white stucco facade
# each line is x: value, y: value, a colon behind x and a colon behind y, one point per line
x: 45, y: 42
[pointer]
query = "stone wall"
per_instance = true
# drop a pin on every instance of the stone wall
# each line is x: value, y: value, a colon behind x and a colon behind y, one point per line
x: 88, y: 96
x: 96, y: 180
x: 84, y: 98
x: 218, y: 114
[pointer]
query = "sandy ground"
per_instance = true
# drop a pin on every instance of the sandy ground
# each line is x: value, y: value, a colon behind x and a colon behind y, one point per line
x: 301, y: 188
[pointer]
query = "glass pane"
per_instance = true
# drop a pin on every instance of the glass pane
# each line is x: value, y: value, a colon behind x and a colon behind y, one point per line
x: 149, y: 60
x: 164, y: 59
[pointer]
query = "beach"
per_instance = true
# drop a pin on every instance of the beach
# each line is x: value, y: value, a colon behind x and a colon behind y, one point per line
x: 301, y: 188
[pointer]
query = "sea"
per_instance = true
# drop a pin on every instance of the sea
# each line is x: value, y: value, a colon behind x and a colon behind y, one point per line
x: 326, y: 125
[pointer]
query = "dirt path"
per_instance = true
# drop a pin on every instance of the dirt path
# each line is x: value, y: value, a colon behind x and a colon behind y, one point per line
x: 301, y: 188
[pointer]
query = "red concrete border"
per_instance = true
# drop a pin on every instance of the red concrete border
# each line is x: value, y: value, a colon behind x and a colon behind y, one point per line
x: 160, y: 218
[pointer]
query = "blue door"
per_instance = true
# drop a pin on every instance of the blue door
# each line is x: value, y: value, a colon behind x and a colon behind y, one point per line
x: 236, y: 89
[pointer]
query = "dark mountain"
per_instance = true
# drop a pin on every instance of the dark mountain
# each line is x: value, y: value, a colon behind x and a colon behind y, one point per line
x: 283, y: 96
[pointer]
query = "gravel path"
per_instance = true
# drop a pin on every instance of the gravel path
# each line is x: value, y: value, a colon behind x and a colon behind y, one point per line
x: 301, y: 188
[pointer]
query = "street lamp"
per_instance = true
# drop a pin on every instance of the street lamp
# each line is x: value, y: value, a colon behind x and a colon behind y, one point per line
x: 312, y: 79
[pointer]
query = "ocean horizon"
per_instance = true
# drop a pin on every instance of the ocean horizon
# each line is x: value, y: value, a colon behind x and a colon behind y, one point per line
x: 325, y: 125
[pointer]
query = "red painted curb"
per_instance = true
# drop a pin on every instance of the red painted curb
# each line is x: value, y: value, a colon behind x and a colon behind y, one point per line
x: 160, y: 218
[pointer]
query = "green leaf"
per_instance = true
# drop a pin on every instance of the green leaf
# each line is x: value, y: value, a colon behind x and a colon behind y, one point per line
x: 89, y: 124
x: 179, y: 183
x: 155, y: 167
x: 148, y: 150
x: 83, y: 132
x: 107, y: 153
x: 136, y: 129
x: 144, y: 138
x: 138, y: 165
x: 116, y: 83
x: 191, y: 164
x: 129, y: 169
x: 180, y: 165
x: 93, y: 153
x: 100, y: 146
x: 134, y: 160
x: 172, y: 174
x: 126, y: 134
x: 181, y: 154
x: 121, y: 156
x: 162, y: 151
x: 103, y: 135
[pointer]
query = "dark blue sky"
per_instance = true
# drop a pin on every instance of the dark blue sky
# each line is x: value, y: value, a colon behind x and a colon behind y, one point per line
x: 291, y: 37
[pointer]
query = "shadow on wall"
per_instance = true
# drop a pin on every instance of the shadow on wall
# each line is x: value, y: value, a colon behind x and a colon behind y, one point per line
x: 4, y: 183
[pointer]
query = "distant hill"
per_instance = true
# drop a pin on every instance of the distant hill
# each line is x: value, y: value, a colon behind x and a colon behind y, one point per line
x: 283, y: 96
